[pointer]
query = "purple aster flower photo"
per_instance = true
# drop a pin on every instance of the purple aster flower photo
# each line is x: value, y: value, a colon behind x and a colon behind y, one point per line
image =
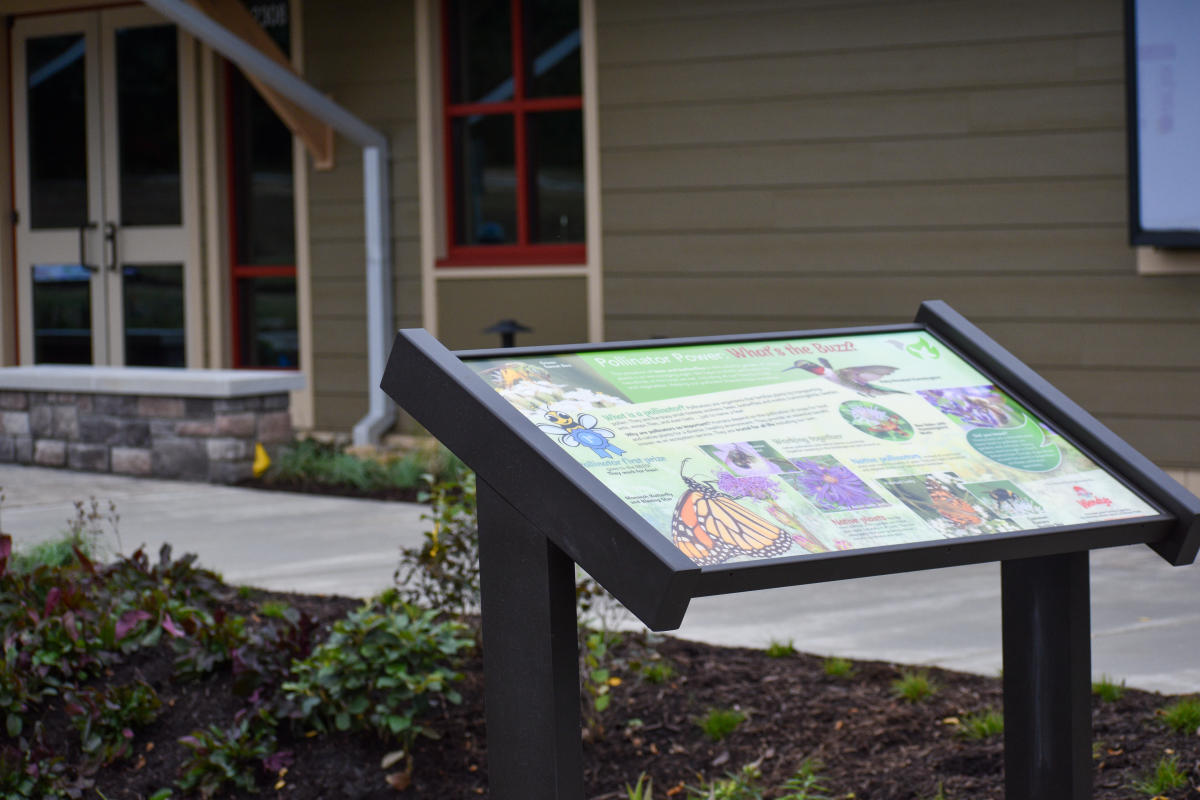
x: 830, y: 486
x: 759, y: 487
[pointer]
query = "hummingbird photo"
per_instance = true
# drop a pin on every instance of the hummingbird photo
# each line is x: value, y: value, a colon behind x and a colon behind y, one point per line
x: 856, y: 379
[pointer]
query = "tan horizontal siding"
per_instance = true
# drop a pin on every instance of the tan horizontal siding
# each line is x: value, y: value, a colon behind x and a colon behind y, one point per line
x: 1071, y: 154
x: 857, y: 117
x: 1130, y: 392
x: 361, y: 53
x: 1093, y: 250
x: 1169, y: 442
x: 342, y: 220
x: 1100, y: 298
x: 900, y: 69
x: 735, y: 33
x: 1081, y: 201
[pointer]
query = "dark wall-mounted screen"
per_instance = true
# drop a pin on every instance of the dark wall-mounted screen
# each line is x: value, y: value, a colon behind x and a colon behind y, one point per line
x: 1163, y: 84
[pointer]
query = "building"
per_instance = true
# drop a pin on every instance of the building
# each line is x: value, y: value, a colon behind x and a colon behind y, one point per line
x: 657, y: 167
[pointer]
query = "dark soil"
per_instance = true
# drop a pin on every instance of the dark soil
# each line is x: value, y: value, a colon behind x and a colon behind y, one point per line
x: 870, y: 743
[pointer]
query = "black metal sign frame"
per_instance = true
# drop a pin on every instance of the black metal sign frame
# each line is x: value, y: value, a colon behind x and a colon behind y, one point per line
x: 541, y: 512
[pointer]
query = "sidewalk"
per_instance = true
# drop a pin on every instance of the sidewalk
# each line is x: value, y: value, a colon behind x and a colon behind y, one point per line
x: 1145, y: 614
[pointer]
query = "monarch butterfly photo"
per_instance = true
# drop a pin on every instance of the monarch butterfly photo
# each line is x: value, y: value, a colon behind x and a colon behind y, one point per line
x: 710, y: 527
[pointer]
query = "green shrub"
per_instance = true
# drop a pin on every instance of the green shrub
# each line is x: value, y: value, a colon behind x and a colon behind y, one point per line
x: 913, y: 687
x: 311, y: 461
x: 1182, y: 716
x: 105, y: 718
x: 383, y: 668
x: 718, y: 723
x: 224, y: 759
x: 443, y: 571
x: 836, y: 667
x: 658, y: 671
x: 778, y: 649
x: 1165, y: 776
x: 981, y: 725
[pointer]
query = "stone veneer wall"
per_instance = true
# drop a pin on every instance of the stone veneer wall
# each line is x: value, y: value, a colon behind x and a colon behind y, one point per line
x: 193, y: 438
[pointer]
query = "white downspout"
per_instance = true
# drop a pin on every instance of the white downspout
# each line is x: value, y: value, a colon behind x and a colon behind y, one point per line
x: 376, y: 191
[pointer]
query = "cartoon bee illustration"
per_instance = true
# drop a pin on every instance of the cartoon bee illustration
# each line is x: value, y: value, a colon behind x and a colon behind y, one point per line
x: 583, y: 431
x: 511, y: 373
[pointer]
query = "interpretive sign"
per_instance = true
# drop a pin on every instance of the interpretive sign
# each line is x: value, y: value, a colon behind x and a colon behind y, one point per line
x: 750, y: 450
x: 680, y: 468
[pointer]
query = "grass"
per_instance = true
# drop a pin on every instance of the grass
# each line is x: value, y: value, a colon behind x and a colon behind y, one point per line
x: 777, y: 649
x: 1108, y: 690
x: 53, y: 553
x: 1165, y: 776
x: 1182, y: 716
x: 836, y: 667
x: 643, y: 790
x: 658, y: 672
x: 720, y: 722
x: 913, y: 686
x: 981, y: 725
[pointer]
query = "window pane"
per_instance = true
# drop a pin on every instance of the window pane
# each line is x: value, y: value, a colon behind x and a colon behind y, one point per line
x: 479, y: 38
x: 148, y: 124
x: 552, y: 66
x: 274, y: 17
x: 267, y: 315
x: 556, y: 171
x: 263, y: 185
x: 62, y: 314
x: 485, y: 197
x: 153, y: 315
x: 57, y: 111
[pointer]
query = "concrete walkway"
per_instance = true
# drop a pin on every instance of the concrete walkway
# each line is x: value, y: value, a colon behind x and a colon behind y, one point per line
x: 1145, y: 614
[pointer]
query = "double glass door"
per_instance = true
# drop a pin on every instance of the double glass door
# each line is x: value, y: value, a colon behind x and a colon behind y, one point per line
x: 103, y: 137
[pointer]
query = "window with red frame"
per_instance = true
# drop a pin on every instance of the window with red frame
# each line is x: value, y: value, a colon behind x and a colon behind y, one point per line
x: 513, y: 132
x: 262, y: 232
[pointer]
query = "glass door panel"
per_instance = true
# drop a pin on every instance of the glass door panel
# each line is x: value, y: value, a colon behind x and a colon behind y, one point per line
x: 149, y: 201
x: 153, y: 302
x: 56, y: 111
x: 62, y: 314
x: 147, y: 82
x: 57, y: 187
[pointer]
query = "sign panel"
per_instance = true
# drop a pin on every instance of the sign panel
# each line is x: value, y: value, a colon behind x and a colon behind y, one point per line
x: 769, y: 449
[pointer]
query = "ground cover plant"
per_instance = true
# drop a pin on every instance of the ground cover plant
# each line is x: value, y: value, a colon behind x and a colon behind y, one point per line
x: 151, y: 678
x: 397, y: 473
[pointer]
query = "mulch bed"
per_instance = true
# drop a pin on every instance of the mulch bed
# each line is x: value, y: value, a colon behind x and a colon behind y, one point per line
x: 870, y: 743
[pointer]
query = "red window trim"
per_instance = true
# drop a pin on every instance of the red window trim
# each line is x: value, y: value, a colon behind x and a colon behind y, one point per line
x: 523, y: 252
x: 237, y: 270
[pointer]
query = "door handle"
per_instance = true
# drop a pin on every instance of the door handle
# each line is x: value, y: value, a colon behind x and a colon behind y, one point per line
x: 83, y: 229
x: 110, y: 239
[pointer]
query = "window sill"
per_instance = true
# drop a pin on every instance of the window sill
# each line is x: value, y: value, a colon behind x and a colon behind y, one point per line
x: 508, y: 256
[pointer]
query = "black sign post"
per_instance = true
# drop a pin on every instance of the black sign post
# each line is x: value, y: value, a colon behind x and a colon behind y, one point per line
x: 562, y: 482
